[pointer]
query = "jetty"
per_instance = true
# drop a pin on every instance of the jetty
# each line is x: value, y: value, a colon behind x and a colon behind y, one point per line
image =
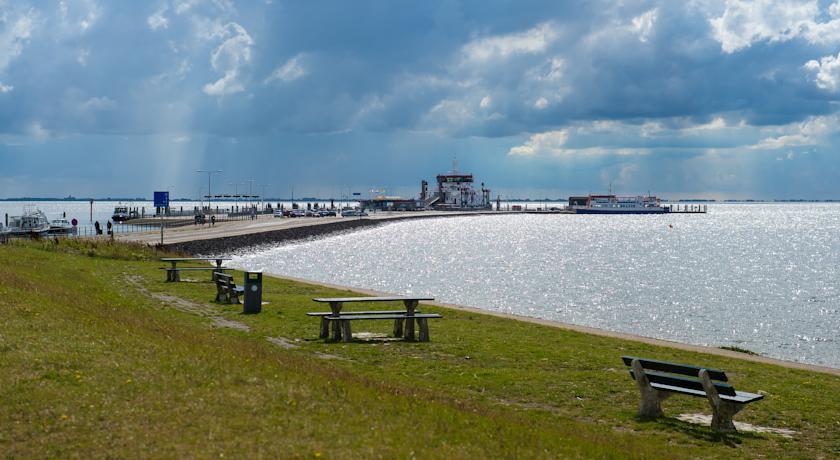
x: 686, y: 208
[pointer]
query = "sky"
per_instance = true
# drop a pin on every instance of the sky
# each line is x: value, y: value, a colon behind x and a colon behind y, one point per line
x: 695, y: 98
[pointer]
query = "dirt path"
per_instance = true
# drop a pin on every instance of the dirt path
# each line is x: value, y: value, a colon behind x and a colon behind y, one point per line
x: 208, y: 311
x: 211, y: 312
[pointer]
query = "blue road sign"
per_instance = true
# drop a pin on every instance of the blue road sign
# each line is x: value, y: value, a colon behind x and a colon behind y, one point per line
x: 161, y: 199
x: 356, y: 193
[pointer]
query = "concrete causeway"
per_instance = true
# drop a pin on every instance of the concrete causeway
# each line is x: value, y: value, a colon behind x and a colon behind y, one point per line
x: 267, y: 229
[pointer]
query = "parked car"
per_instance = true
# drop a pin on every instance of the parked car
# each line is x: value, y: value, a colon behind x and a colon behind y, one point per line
x: 326, y: 213
x: 278, y: 213
x: 297, y: 213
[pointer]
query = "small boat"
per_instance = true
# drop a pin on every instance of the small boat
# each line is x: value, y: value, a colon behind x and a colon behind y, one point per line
x: 30, y: 223
x: 121, y: 214
x: 62, y: 227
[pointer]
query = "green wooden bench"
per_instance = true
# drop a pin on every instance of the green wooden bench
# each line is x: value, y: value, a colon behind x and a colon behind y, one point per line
x: 226, y: 290
x: 173, y: 273
x: 658, y: 380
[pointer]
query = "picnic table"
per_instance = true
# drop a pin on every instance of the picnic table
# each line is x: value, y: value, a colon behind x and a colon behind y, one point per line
x: 173, y: 273
x: 341, y: 321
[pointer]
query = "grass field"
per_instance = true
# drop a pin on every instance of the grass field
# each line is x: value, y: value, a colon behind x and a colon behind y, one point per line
x: 101, y: 358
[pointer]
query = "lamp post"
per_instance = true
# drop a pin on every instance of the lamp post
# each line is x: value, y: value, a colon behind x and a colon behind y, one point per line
x: 250, y: 191
x: 210, y: 173
x: 262, y: 197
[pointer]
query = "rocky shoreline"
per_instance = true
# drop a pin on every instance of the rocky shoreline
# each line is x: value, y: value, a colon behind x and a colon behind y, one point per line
x: 228, y: 244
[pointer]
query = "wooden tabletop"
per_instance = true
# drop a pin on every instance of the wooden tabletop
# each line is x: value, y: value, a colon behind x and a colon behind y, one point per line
x: 368, y: 299
x: 178, y: 259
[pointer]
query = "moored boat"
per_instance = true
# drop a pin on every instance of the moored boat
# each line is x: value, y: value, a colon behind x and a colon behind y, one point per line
x: 121, y: 214
x: 62, y: 227
x: 30, y: 223
x: 612, y: 204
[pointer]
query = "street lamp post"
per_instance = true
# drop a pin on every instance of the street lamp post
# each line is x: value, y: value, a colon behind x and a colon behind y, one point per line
x: 262, y: 197
x: 250, y: 192
x: 210, y: 173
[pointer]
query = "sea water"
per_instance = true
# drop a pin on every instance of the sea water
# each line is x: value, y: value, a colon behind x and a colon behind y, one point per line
x: 762, y: 277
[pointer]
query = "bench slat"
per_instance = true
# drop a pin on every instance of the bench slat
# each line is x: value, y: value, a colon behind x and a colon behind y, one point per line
x: 368, y: 299
x: 683, y: 382
x: 170, y: 269
x: 675, y: 368
x: 375, y: 317
x: 181, y: 259
x: 377, y: 312
x: 740, y: 397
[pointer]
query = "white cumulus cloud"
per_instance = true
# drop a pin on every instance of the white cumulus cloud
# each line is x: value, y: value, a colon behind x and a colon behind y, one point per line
x: 14, y: 36
x: 827, y: 72
x: 290, y: 71
x: 643, y: 24
x: 550, y: 142
x: 157, y: 20
x: 531, y: 41
x: 745, y: 22
x: 229, y: 58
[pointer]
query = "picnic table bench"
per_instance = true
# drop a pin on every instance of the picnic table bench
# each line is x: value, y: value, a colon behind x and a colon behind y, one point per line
x: 226, y: 290
x: 173, y: 274
x: 341, y: 329
x: 658, y: 380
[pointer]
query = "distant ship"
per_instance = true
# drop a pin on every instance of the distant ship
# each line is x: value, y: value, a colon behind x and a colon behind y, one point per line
x: 612, y: 204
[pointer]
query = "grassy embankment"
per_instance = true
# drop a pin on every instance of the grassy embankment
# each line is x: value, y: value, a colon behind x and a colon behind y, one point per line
x: 99, y: 356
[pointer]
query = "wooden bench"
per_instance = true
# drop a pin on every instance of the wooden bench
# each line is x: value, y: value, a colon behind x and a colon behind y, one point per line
x: 325, y: 324
x: 658, y: 380
x: 226, y: 290
x: 346, y: 333
x: 408, y: 316
x: 174, y: 273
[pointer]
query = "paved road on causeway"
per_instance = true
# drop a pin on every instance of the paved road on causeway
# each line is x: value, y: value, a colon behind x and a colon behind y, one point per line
x: 267, y: 223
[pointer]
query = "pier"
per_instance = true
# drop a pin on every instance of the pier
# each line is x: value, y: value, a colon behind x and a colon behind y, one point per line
x: 686, y: 208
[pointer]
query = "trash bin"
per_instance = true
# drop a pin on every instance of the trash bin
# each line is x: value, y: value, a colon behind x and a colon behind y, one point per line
x: 253, y: 292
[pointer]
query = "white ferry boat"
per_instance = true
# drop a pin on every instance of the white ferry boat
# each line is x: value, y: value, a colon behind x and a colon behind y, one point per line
x: 612, y: 204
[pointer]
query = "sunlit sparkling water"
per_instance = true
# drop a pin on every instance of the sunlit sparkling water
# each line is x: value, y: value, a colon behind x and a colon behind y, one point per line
x: 758, y: 276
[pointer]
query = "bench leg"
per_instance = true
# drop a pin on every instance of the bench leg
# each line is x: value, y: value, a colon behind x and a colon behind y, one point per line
x: 409, y: 329
x: 346, y: 332
x: 722, y: 411
x: 398, y: 328
x: 424, y: 329
x: 325, y: 328
x: 650, y: 405
x: 722, y: 417
x: 234, y: 298
x: 336, y: 331
x: 176, y: 276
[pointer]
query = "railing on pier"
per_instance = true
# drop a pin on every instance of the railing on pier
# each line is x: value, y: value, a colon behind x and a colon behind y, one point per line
x: 687, y: 208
